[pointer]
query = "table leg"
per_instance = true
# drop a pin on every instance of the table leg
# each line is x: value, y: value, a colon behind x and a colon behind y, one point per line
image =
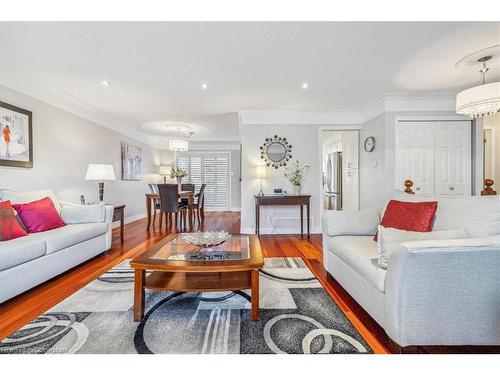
x: 190, y: 204
x: 255, y: 294
x: 301, y: 221
x: 308, y: 219
x: 122, y: 226
x: 139, y: 294
x: 257, y: 219
x: 148, y: 211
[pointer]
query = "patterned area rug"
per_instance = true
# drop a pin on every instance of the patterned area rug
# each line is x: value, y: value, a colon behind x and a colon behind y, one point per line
x: 297, y: 316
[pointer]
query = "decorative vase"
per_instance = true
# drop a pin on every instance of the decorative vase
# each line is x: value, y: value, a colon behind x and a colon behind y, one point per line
x: 297, y: 189
x: 179, y: 184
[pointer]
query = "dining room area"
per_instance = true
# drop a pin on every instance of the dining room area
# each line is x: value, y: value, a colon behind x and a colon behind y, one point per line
x: 177, y: 206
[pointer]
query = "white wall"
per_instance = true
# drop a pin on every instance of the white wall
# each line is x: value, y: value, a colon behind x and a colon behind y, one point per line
x: 63, y: 146
x: 377, y: 168
x: 373, y: 186
x: 306, y: 149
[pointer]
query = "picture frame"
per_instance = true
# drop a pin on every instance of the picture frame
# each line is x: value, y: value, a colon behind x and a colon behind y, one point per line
x: 16, y: 136
x: 131, y: 162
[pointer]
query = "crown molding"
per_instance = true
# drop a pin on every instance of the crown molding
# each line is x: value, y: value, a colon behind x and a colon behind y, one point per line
x: 298, y: 117
x: 440, y: 101
x: 37, y: 88
x: 214, y: 146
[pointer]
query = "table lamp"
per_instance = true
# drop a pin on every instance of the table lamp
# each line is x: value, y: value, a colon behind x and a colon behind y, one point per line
x: 261, y: 174
x: 100, y: 173
x: 164, y: 170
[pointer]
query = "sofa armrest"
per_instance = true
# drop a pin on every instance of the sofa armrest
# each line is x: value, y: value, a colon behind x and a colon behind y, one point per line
x: 444, y: 292
x: 351, y: 223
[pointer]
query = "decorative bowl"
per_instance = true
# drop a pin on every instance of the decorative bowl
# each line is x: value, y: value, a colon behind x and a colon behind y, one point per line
x: 206, y: 239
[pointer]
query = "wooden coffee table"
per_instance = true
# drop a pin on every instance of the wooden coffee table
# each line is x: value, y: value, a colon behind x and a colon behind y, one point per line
x: 178, y: 266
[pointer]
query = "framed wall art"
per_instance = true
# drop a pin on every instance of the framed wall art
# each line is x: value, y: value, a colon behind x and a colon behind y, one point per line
x: 16, y: 136
x: 131, y: 162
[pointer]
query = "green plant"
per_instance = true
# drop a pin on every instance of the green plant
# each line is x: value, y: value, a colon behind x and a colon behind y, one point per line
x: 176, y: 173
x: 296, y: 173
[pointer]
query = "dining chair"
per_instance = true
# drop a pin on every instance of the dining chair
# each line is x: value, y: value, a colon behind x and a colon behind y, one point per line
x: 153, y: 189
x: 199, y: 205
x: 169, y: 204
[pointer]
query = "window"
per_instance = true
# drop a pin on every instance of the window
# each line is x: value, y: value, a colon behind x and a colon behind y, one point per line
x: 212, y: 169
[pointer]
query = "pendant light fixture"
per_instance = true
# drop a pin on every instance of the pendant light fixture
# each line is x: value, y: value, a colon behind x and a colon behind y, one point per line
x: 180, y: 145
x: 482, y: 100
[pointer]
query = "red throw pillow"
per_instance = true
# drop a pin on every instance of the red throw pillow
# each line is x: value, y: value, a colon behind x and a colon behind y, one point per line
x: 39, y: 216
x: 412, y: 216
x: 9, y: 226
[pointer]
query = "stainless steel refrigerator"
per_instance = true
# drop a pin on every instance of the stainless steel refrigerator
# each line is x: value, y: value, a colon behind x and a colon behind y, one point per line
x: 333, y: 182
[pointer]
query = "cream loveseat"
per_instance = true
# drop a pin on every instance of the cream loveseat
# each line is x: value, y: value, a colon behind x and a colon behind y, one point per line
x: 30, y: 260
x: 434, y: 292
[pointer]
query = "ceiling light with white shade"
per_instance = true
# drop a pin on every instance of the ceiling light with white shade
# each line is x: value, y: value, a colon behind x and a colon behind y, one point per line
x: 482, y: 100
x: 179, y: 144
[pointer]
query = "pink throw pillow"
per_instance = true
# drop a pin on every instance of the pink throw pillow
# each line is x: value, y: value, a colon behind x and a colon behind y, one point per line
x: 39, y: 216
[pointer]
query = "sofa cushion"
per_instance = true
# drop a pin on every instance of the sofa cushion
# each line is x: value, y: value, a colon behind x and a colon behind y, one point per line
x: 17, y: 197
x: 479, y: 216
x: 69, y: 235
x: 39, y: 216
x: 391, y: 240
x: 82, y: 213
x: 348, y: 223
x: 360, y: 253
x: 9, y: 224
x: 20, y: 250
x: 410, y: 216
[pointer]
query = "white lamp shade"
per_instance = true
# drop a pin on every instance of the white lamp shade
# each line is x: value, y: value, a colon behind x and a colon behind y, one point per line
x: 100, y: 172
x: 261, y: 171
x: 480, y: 100
x: 164, y: 170
x: 178, y: 145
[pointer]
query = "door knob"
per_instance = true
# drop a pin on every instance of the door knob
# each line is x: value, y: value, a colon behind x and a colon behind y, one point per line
x: 452, y: 188
x: 417, y: 188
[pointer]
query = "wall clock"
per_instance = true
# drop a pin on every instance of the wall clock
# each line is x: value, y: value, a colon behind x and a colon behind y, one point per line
x: 370, y: 144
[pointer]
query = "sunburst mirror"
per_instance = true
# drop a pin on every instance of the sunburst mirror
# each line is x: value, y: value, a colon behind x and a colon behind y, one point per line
x: 276, y: 152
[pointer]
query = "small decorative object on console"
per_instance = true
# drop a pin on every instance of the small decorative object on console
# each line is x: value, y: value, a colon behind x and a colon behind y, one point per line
x: 296, y: 174
x: 207, y: 239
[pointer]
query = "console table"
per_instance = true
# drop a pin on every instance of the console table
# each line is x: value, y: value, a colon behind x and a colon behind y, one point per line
x: 283, y: 200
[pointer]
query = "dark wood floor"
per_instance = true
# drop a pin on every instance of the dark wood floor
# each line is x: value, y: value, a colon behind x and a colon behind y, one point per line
x: 20, y: 310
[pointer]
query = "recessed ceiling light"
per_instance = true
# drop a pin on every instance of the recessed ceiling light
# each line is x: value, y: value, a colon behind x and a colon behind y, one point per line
x: 304, y: 86
x: 204, y: 86
x: 106, y: 83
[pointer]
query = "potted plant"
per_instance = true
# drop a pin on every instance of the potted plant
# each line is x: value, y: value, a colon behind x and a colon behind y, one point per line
x: 178, y: 173
x: 296, y: 174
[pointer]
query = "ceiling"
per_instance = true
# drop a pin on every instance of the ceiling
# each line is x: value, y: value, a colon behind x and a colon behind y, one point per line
x: 156, y: 69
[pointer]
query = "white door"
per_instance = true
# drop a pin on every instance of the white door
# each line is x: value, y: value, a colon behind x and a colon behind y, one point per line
x: 453, y: 158
x: 350, y: 149
x: 415, y: 156
x: 350, y: 190
x: 435, y: 155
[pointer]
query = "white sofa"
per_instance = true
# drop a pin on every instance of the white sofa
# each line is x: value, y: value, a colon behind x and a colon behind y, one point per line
x: 30, y: 260
x: 439, y: 292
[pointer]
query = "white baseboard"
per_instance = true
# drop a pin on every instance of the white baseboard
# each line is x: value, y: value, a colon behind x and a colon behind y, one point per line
x: 130, y: 219
x: 269, y: 230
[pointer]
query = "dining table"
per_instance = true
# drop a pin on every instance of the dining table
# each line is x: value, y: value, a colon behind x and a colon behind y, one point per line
x: 183, y: 194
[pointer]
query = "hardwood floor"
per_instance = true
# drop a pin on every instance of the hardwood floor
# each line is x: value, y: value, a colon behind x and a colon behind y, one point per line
x: 20, y: 310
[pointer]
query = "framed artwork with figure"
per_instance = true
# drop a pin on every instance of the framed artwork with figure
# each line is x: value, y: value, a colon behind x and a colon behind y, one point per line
x: 16, y: 136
